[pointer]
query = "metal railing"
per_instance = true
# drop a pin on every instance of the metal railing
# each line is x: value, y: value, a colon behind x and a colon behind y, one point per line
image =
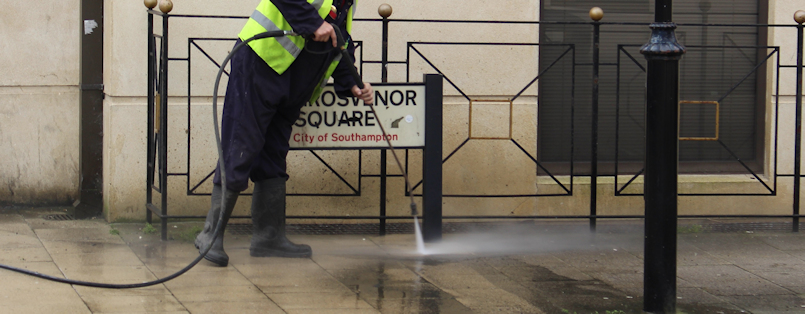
x: 158, y: 172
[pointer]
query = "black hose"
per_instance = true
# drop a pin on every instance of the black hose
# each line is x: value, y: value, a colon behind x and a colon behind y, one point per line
x: 219, y: 225
x: 223, y: 186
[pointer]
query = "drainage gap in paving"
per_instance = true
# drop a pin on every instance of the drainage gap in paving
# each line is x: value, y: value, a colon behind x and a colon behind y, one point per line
x: 469, y: 227
x: 58, y: 217
x: 329, y: 229
x: 372, y: 228
x: 749, y: 226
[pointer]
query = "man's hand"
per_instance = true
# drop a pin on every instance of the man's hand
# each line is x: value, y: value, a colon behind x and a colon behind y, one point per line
x: 325, y: 33
x: 366, y: 94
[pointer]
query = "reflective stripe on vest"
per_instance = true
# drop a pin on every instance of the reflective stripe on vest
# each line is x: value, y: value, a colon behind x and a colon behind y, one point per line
x: 286, y: 42
x: 278, y: 52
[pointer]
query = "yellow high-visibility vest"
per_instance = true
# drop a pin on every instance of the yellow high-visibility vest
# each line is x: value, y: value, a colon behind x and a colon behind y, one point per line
x: 280, y: 52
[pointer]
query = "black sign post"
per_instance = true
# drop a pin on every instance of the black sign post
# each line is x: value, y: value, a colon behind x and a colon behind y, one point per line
x: 432, y: 160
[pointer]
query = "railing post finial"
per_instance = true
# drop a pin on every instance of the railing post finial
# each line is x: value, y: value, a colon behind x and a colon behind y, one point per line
x: 799, y: 16
x: 165, y: 6
x: 596, y: 14
x: 384, y: 10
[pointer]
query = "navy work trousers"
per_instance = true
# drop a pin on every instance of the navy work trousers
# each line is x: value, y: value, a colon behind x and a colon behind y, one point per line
x: 260, y: 108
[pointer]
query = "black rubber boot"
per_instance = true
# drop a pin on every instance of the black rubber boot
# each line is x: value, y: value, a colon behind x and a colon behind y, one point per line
x: 268, y: 216
x: 216, y: 253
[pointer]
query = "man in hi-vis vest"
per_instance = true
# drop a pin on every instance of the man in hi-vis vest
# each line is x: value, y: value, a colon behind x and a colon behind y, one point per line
x: 270, y: 81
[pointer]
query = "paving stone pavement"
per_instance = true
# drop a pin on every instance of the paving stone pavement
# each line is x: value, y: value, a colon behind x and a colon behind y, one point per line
x: 525, y: 267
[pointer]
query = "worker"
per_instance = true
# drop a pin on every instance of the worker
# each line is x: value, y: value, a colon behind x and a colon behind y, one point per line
x: 270, y: 80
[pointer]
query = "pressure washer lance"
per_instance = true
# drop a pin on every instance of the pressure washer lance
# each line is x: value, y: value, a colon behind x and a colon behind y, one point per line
x: 345, y: 56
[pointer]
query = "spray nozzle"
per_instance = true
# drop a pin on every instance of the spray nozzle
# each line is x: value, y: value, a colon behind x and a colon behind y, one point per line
x: 413, y: 209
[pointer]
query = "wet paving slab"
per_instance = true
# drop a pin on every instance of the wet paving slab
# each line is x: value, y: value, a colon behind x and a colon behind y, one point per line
x: 518, y: 269
x: 393, y: 288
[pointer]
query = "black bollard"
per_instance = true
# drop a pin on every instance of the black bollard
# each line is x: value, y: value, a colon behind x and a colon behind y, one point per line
x: 662, y: 156
x: 432, y: 160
